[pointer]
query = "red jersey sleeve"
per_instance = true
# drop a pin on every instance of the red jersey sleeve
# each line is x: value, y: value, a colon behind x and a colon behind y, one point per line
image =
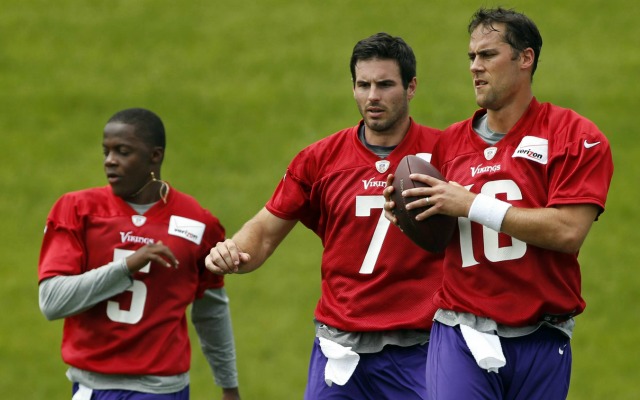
x: 292, y: 198
x: 580, y: 171
x: 63, y: 251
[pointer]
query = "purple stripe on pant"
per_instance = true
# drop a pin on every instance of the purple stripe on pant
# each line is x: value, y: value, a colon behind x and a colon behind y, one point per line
x: 538, y: 367
x: 394, y: 373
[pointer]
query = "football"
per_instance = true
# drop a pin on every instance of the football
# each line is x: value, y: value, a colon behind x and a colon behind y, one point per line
x: 432, y: 234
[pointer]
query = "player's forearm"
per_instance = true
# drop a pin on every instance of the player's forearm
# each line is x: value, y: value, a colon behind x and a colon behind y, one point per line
x: 562, y: 229
x: 212, y: 320
x: 249, y: 240
x: 259, y: 237
x: 63, y: 296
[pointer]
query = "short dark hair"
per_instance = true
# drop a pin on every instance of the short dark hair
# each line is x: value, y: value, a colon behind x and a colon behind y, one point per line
x: 147, y: 124
x: 521, y: 32
x: 385, y: 47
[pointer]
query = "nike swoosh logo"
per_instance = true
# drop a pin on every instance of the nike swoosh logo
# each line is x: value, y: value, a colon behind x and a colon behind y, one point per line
x: 588, y: 145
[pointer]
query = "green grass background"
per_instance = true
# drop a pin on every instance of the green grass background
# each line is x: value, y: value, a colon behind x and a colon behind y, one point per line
x: 242, y: 86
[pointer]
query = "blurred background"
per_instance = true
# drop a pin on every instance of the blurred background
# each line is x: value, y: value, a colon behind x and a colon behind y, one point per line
x: 242, y: 86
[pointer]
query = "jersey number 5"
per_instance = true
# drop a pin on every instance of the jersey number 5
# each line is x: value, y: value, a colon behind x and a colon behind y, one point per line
x: 138, y: 296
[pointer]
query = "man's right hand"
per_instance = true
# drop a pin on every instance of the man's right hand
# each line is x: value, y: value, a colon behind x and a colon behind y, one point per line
x: 225, y: 258
x: 389, y: 205
x: 152, y: 252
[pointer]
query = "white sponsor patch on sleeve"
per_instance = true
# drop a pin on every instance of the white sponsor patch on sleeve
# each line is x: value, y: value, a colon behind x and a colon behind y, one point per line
x: 186, y: 228
x: 534, y: 149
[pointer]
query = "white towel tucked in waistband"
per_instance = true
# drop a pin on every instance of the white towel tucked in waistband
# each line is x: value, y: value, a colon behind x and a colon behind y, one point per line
x: 485, y: 347
x: 340, y: 364
x: 83, y: 393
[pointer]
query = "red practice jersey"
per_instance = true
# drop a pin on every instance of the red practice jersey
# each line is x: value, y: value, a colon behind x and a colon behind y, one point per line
x: 551, y: 157
x: 142, y: 330
x: 373, y: 277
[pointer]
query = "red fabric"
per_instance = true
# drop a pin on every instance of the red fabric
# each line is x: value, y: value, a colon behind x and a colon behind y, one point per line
x: 334, y: 188
x: 83, y: 231
x: 499, y: 277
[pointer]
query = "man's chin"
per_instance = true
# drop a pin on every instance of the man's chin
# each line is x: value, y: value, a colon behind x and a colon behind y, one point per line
x: 378, y: 125
x: 484, y: 102
x: 117, y: 191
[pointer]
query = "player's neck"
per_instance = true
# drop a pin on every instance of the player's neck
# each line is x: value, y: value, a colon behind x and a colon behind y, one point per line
x: 148, y: 194
x: 380, y: 151
x: 152, y: 191
x: 503, y: 119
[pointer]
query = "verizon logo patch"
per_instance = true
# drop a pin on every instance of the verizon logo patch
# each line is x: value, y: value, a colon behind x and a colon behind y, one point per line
x: 186, y: 228
x: 534, y: 149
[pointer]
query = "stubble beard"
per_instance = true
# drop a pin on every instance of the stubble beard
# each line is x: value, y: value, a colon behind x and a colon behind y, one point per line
x: 485, y: 100
x: 386, y: 125
x: 380, y: 125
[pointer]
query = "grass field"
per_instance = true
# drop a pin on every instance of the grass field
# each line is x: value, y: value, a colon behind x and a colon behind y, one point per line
x: 242, y: 86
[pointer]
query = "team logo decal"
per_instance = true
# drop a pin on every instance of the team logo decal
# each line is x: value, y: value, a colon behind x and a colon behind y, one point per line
x: 534, y: 149
x: 382, y: 166
x: 490, y: 152
x: 138, y: 220
x: 186, y: 228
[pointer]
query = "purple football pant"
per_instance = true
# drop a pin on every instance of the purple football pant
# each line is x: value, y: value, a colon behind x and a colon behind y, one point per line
x: 392, y: 374
x: 115, y: 394
x: 538, y: 367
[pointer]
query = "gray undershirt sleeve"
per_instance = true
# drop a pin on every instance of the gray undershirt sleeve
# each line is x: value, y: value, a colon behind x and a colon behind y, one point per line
x: 64, y: 296
x: 212, y: 320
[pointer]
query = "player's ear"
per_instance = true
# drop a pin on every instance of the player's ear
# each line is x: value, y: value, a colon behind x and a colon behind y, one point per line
x: 527, y: 57
x: 157, y: 155
x: 411, y: 89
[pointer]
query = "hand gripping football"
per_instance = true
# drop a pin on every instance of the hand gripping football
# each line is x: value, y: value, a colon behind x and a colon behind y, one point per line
x: 432, y: 234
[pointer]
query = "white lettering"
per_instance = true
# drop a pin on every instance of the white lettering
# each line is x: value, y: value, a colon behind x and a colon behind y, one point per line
x: 480, y: 169
x: 372, y: 183
x: 127, y: 237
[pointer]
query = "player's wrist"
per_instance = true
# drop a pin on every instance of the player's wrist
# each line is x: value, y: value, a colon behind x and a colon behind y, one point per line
x: 488, y: 211
x: 124, y: 266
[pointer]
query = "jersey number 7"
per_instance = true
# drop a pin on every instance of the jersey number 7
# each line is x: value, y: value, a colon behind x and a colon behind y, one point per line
x: 364, y: 205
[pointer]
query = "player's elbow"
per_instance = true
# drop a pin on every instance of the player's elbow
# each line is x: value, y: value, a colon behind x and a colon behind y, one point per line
x: 572, y: 226
x: 49, y: 313
x: 46, y: 303
x: 569, y: 241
